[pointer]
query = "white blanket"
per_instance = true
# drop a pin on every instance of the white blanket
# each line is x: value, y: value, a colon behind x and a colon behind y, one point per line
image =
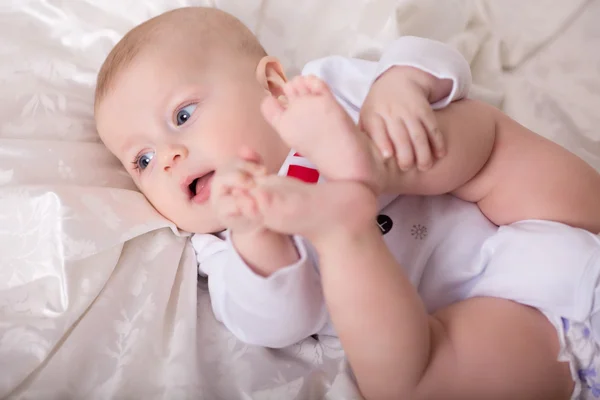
x: 98, y: 293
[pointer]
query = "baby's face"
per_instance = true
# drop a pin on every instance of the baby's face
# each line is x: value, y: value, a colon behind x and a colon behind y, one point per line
x: 172, y: 121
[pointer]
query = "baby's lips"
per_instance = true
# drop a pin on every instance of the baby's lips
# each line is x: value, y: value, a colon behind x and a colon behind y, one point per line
x: 203, y: 188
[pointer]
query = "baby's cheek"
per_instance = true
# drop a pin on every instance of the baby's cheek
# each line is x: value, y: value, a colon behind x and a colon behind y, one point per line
x: 163, y: 203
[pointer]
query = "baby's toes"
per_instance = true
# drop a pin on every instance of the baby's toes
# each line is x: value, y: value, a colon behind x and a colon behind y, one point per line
x: 315, y: 85
x: 263, y: 197
x: 290, y: 89
x: 247, y: 206
x: 227, y: 208
x: 299, y: 86
x: 280, y: 198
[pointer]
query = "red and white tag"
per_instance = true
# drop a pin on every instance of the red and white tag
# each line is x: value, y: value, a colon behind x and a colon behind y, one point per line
x: 300, y: 168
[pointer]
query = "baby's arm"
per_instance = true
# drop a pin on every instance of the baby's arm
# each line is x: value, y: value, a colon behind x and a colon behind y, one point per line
x: 413, y: 77
x: 350, y: 79
x: 266, y: 289
x: 448, y: 73
x: 265, y: 251
x: 273, y: 311
x: 397, y: 95
x: 509, y: 171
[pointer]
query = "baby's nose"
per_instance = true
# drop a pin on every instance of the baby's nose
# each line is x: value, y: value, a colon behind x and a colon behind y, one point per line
x: 170, y: 164
x: 172, y: 156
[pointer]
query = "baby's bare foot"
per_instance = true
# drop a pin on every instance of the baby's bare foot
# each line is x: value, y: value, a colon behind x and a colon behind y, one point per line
x: 291, y: 206
x: 316, y: 126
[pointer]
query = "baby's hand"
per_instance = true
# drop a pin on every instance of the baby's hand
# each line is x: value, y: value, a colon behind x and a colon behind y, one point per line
x: 231, y: 196
x: 399, y: 119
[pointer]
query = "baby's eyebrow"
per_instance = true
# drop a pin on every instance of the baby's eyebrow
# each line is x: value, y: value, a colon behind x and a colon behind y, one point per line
x: 127, y: 145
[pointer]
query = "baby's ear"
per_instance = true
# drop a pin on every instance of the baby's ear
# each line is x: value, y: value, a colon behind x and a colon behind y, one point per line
x: 271, y: 76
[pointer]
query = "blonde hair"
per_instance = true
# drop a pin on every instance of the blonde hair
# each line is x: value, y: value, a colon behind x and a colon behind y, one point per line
x: 208, y: 24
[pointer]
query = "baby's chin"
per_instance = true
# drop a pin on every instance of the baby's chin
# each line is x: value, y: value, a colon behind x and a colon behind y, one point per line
x: 200, y: 227
x: 196, y: 220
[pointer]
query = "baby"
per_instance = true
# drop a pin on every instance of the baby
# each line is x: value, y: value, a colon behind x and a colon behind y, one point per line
x: 472, y: 307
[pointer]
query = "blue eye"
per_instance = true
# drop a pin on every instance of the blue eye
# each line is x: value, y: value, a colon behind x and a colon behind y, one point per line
x: 185, y: 114
x: 143, y: 160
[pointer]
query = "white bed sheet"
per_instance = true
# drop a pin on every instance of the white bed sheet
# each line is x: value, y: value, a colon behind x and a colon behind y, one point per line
x: 98, y: 293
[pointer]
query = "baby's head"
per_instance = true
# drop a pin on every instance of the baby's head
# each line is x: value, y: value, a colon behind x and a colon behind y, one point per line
x: 177, y: 98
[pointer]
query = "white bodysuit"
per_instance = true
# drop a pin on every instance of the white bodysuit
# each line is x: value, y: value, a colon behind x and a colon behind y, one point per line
x: 447, y: 247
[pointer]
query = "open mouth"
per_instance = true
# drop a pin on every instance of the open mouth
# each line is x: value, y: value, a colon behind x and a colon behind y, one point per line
x: 199, y: 188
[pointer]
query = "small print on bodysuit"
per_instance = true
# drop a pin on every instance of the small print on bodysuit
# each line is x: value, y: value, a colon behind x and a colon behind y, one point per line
x: 385, y: 223
x: 419, y: 232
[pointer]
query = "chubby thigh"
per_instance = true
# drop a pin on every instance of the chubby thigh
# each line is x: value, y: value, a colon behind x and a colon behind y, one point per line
x: 491, y: 348
x: 530, y: 177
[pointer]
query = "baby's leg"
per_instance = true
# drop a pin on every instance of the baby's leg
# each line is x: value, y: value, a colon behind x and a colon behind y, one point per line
x: 315, y: 125
x: 531, y: 177
x: 375, y: 309
x: 467, y: 351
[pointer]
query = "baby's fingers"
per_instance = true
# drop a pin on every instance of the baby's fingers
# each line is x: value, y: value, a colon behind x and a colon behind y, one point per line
x: 226, y: 182
x: 246, y: 203
x: 248, y: 154
x: 374, y: 127
x: 227, y: 209
x: 420, y: 142
x: 403, y: 148
x: 242, y: 174
x: 436, y: 138
x: 238, y: 211
x: 250, y: 168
